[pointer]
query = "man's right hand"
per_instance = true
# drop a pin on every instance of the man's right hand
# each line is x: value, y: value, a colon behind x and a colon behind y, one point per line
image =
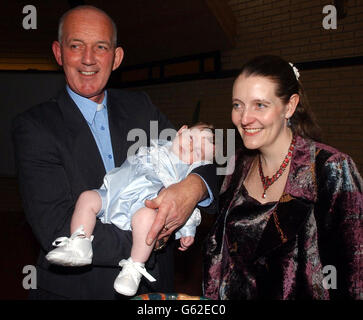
x: 175, y: 204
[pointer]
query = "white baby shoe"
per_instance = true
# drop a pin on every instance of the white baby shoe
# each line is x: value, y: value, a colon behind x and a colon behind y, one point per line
x: 75, y: 251
x: 128, y: 280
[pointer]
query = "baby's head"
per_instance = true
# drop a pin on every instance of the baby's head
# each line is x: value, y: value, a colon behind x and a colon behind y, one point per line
x: 195, y: 143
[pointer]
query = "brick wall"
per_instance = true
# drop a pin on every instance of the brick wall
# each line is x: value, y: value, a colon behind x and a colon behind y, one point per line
x: 336, y: 98
x: 292, y: 29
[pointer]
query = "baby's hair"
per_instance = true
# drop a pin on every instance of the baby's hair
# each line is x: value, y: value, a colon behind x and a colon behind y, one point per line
x: 205, y: 126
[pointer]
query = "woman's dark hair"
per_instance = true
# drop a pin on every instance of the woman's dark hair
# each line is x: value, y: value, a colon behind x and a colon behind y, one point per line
x: 303, y: 121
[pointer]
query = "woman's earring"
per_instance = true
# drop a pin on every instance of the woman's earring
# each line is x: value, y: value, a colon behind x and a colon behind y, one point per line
x: 288, y: 122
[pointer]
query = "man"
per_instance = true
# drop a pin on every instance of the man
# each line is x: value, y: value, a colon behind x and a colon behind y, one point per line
x: 66, y: 146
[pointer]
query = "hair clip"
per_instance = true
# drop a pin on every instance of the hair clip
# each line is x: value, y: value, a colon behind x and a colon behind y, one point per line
x: 296, y: 71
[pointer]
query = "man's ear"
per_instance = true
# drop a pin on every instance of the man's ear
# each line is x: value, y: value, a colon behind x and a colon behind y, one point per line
x: 291, y: 105
x: 119, y: 55
x: 56, y: 47
x: 184, y: 127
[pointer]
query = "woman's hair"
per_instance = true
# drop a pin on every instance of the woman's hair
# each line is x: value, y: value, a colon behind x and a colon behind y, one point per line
x: 303, y: 121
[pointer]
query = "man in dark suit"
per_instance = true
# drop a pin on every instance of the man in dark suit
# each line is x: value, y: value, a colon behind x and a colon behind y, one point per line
x: 66, y: 145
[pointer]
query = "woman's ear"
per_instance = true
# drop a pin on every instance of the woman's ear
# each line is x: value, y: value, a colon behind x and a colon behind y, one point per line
x: 291, y: 105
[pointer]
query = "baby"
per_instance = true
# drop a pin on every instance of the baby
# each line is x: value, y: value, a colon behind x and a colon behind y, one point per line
x: 121, y: 198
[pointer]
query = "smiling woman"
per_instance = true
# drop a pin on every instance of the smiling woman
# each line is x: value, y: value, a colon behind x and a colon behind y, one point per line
x: 258, y: 113
x: 290, y: 208
x: 268, y: 88
x: 269, y: 108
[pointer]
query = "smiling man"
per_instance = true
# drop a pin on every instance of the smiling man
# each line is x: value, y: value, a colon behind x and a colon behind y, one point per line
x: 87, y: 51
x: 66, y: 146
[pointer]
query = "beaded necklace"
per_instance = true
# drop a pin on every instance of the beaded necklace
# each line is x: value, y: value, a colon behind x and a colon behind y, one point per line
x: 266, y: 181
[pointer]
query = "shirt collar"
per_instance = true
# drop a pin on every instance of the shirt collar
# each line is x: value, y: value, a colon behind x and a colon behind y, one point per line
x: 87, y: 107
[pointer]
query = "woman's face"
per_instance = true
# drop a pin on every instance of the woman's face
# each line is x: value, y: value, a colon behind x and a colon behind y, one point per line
x: 259, y: 115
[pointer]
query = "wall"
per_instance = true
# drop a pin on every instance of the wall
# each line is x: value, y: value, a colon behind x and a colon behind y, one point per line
x: 292, y: 29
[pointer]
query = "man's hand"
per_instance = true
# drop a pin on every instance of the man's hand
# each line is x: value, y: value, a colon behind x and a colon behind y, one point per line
x: 175, y: 204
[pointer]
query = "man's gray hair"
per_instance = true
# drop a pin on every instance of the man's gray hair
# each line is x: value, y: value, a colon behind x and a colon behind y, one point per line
x: 83, y: 7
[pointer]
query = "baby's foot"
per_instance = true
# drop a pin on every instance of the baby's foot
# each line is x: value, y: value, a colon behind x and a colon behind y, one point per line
x: 74, y: 251
x: 128, y: 280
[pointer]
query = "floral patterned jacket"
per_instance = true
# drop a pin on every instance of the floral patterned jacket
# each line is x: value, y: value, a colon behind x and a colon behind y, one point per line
x: 310, y: 247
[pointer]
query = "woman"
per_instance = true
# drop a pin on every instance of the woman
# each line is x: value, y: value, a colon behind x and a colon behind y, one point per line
x: 290, y: 216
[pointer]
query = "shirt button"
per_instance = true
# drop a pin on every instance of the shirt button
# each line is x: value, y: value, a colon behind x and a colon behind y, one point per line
x: 102, y: 128
x: 109, y: 156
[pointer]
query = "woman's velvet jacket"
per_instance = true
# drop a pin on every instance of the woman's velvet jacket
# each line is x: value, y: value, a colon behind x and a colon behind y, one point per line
x: 310, y: 246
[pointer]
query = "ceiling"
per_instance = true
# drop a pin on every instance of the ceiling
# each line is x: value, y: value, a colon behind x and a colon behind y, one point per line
x: 148, y: 30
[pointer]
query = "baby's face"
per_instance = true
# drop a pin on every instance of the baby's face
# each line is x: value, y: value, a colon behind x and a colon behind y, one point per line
x: 195, y: 144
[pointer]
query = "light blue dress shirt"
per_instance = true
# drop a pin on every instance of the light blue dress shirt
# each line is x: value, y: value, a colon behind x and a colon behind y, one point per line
x: 98, y: 123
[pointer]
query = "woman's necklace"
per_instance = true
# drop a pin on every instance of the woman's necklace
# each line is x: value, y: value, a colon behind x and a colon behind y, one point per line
x: 266, y: 181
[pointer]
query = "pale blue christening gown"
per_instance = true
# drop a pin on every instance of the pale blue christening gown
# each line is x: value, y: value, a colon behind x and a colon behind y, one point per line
x: 141, y: 177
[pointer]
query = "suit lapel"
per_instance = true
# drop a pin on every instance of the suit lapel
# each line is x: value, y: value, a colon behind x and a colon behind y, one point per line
x: 81, y: 144
x: 117, y: 120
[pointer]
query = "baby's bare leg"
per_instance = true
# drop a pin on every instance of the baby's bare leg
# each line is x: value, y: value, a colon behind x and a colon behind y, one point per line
x: 88, y: 205
x: 141, y: 223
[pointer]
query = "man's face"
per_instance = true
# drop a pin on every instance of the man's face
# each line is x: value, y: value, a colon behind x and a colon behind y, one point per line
x: 87, y: 53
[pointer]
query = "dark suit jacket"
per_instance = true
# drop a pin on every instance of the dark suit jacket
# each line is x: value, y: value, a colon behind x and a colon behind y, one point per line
x: 57, y: 159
